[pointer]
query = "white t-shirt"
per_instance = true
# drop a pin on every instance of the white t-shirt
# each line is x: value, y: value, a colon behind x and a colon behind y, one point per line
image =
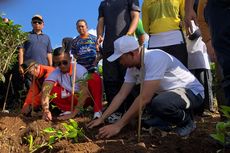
x: 161, y: 66
x: 65, y: 80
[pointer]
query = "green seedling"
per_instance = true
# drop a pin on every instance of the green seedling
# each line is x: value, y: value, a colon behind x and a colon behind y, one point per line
x: 222, y: 134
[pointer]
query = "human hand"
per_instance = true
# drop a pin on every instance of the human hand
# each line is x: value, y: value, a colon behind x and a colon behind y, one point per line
x: 21, y: 71
x: 47, y: 115
x: 189, y: 16
x: 108, y: 131
x: 66, y: 116
x: 98, y: 43
x: 95, y: 123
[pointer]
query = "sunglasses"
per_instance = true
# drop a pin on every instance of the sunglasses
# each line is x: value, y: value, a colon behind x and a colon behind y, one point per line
x: 64, y: 62
x: 35, y: 22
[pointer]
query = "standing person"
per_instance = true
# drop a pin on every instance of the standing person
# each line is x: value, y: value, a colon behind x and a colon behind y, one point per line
x: 116, y: 18
x: 217, y: 13
x: 170, y: 89
x: 37, y: 47
x: 162, y: 20
x: 199, y: 65
x: 84, y: 50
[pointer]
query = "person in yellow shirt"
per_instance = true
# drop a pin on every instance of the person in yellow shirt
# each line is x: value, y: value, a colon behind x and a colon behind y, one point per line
x: 162, y: 20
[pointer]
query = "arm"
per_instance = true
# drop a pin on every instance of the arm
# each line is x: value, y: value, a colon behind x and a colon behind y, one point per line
x: 117, y: 101
x: 149, y: 89
x: 189, y: 15
x: 20, y: 60
x: 133, y: 25
x: 100, y: 31
x: 49, y: 57
x: 46, y: 89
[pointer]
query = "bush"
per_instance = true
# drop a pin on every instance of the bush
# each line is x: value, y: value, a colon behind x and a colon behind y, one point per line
x: 11, y: 37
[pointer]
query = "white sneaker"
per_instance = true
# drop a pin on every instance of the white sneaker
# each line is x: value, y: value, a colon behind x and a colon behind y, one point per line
x: 114, y: 117
x: 97, y: 115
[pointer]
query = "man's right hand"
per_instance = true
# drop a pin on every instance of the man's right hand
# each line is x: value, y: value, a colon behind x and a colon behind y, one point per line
x: 21, y: 71
x: 95, y: 123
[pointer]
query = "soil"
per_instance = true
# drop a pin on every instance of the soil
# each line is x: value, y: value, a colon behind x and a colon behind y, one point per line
x: 15, y: 127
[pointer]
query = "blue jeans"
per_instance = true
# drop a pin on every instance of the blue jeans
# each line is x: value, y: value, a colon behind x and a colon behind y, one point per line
x: 175, y: 106
x: 217, y: 14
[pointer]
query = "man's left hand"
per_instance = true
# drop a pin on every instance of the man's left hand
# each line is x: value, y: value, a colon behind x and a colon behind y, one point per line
x: 108, y: 131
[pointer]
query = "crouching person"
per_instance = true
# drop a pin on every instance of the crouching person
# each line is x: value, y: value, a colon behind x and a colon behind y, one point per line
x: 39, y: 73
x: 168, y: 87
x: 63, y: 75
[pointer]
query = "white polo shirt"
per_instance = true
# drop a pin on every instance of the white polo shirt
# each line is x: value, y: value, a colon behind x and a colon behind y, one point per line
x: 65, y: 80
x: 172, y: 74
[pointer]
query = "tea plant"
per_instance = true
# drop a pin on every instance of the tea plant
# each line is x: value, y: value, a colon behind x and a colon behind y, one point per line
x: 71, y: 131
x: 222, y: 134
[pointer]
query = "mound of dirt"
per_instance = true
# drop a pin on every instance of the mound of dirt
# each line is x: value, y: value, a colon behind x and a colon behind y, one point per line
x: 14, y: 128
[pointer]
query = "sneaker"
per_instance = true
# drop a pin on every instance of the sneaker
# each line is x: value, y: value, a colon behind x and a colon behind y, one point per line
x: 157, y: 123
x: 186, y: 130
x: 114, y: 117
x: 97, y: 115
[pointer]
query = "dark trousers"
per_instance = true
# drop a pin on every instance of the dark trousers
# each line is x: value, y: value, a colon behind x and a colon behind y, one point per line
x: 179, y: 51
x: 217, y: 14
x: 113, y: 78
x: 175, y: 106
x: 205, y: 78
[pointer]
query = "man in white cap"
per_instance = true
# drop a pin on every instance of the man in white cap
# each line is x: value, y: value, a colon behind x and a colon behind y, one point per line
x: 169, y: 89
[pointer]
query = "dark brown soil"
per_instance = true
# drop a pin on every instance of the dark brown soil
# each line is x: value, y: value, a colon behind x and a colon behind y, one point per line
x: 13, y: 129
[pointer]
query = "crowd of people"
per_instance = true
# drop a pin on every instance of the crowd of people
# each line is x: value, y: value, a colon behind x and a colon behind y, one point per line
x: 170, y: 79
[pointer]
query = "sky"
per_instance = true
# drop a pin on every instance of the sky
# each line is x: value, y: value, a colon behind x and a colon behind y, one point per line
x: 59, y: 16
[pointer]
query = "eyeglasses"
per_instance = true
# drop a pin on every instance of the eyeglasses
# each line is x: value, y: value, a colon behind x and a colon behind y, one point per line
x: 64, y: 62
x: 35, y: 22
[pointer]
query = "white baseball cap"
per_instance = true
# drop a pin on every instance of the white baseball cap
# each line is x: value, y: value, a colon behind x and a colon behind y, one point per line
x: 123, y: 45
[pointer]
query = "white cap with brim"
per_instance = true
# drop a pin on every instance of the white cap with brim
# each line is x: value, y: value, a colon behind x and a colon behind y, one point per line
x: 123, y: 45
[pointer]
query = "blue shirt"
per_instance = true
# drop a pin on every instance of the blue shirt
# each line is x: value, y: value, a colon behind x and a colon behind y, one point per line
x: 37, y: 47
x: 84, y: 50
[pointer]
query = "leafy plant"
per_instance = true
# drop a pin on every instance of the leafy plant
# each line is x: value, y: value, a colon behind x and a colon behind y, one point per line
x: 222, y: 134
x: 71, y: 131
x: 11, y: 37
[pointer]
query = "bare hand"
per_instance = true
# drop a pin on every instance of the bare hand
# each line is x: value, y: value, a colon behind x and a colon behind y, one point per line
x: 95, y: 123
x: 21, y: 71
x: 108, y: 131
x: 47, y: 115
x: 189, y: 16
x: 99, y: 41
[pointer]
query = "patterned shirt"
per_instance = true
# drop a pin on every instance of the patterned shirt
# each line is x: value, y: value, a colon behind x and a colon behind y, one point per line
x: 84, y: 50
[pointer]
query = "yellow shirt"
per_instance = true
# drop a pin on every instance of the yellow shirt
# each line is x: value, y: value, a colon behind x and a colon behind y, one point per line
x: 162, y: 15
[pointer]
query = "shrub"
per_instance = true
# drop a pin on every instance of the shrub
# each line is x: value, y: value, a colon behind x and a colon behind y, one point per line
x: 11, y: 37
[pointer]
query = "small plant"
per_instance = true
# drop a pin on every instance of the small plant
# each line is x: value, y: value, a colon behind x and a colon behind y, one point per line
x: 222, y: 134
x: 71, y: 131
x: 33, y: 146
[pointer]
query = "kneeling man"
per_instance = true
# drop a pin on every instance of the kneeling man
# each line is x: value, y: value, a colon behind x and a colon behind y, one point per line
x: 168, y: 87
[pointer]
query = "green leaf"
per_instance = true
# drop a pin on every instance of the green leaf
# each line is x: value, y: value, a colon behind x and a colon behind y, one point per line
x: 49, y: 130
x: 52, y: 139
x: 59, y: 134
x: 73, y: 123
x: 219, y: 137
x: 2, y: 78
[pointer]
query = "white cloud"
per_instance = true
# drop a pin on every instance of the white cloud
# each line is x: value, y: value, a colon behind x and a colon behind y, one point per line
x: 93, y: 32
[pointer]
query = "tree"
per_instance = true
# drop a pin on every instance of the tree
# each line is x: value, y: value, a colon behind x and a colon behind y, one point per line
x: 11, y: 37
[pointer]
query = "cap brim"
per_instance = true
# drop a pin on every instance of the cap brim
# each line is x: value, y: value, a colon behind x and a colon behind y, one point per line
x: 113, y: 57
x: 37, y: 18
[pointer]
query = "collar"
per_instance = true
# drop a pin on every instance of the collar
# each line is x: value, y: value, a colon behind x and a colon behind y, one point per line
x: 33, y: 32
